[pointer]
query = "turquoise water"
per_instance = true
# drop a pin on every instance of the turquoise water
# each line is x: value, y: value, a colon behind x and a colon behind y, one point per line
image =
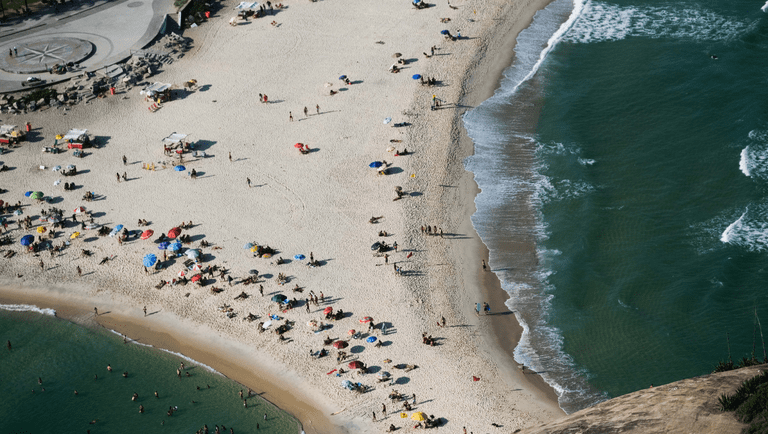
x: 647, y: 186
x: 70, y: 358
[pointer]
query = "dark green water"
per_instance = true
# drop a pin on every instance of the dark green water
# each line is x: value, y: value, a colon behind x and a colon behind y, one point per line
x: 650, y: 187
x: 68, y: 357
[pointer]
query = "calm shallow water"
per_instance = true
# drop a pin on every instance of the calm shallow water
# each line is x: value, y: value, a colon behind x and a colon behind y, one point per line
x: 68, y: 357
x: 647, y: 183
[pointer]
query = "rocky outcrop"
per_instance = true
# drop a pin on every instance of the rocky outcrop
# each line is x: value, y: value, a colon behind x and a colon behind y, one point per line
x: 686, y: 406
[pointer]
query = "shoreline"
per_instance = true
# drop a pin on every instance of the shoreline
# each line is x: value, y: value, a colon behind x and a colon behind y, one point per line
x: 160, y: 335
x: 448, y: 366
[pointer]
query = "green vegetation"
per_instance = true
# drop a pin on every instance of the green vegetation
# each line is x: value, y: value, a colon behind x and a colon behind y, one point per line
x: 750, y: 404
x: 46, y: 93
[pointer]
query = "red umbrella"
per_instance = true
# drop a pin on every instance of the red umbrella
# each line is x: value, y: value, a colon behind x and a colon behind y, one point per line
x: 340, y: 344
x: 366, y: 319
x: 351, y: 332
x: 328, y: 310
x: 196, y: 277
x: 173, y: 233
x: 356, y: 365
x: 298, y: 145
x: 146, y: 234
x: 79, y: 209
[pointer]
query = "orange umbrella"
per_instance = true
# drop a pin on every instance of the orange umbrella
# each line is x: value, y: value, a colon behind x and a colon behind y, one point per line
x: 328, y: 310
x: 146, y: 234
x: 196, y: 277
x: 340, y: 344
x: 173, y: 233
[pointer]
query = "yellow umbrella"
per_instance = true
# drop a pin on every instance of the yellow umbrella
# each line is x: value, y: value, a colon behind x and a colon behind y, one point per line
x: 419, y: 416
x: 40, y: 229
x: 266, y: 255
x: 59, y: 137
x: 254, y: 249
x: 403, y: 415
x: 75, y: 235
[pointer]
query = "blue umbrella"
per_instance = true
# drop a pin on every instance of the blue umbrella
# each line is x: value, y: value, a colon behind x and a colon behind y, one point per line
x: 248, y: 246
x: 416, y: 76
x: 149, y: 260
x: 279, y: 298
x: 27, y: 240
x: 179, y: 168
x: 444, y: 32
x: 164, y: 245
x: 115, y: 230
x: 175, y: 247
x: 29, y: 193
x: 370, y: 339
x: 376, y: 164
x: 299, y: 257
x: 342, y: 77
x: 118, y: 228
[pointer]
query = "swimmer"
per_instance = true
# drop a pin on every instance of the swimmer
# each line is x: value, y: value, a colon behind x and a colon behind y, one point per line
x: 8, y: 344
x: 95, y: 376
x: 156, y: 395
x: 75, y: 392
x: 39, y: 380
x: 135, y: 396
x: 187, y: 374
x: 109, y: 368
x: 141, y: 408
x: 713, y: 57
x: 125, y: 374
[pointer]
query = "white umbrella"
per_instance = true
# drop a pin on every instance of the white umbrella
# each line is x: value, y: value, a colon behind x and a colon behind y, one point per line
x: 56, y: 168
x: 57, y: 182
x: 192, y: 253
x: 387, y: 120
x: 181, y: 273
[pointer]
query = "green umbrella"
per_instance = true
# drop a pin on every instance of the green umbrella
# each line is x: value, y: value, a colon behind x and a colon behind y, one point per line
x: 279, y: 298
x: 37, y: 195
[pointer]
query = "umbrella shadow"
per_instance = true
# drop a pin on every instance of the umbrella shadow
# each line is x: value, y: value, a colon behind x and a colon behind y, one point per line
x: 357, y: 349
x: 374, y: 369
x: 204, y: 88
x: 99, y: 141
x: 402, y: 380
x: 90, y: 239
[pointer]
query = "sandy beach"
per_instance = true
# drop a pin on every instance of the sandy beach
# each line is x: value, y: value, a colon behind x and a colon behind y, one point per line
x: 268, y: 193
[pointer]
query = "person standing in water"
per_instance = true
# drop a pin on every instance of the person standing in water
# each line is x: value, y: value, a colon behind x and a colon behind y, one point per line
x: 8, y: 344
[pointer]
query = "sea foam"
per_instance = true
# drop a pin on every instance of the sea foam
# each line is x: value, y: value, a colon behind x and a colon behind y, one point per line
x: 608, y: 22
x: 744, y: 161
x: 27, y: 308
x: 179, y: 355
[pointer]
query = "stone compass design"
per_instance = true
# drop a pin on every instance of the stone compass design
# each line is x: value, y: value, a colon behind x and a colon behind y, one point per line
x: 38, y: 56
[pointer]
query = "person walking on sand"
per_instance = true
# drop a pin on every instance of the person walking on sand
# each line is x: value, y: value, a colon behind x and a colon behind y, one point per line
x: 230, y: 157
x: 484, y: 266
x: 248, y: 181
x: 145, y: 310
x: 42, y: 265
x: 306, y: 112
x: 118, y: 177
x: 384, y: 409
x: 317, y: 107
x: 79, y: 271
x: 125, y: 161
x: 374, y: 416
x: 487, y: 308
x: 290, y: 116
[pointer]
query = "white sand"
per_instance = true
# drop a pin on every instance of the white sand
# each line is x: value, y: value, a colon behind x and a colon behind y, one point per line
x: 299, y: 204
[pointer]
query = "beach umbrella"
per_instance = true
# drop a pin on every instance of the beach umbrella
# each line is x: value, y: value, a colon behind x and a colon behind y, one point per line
x: 182, y: 273
x: 346, y: 384
x: 298, y: 145
x: 27, y: 240
x: 340, y: 344
x: 382, y: 375
x: 70, y: 167
x: 396, y: 55
x: 312, y: 323
x: 37, y: 195
x: 56, y: 168
x: 196, y: 267
x: 343, y: 77
x: 419, y: 416
x: 17, y: 212
x: 299, y: 257
x: 375, y: 164
x: 390, y: 148
x: 54, y: 219
x: 279, y: 298
x: 444, y: 32
x: 351, y: 332
x: 328, y: 84
x: 266, y: 325
x: 254, y: 249
x: 41, y: 229
x: 91, y: 226
x: 416, y: 76
x: 27, y: 194
x: 59, y: 137
x: 79, y: 210
x: 356, y: 365
x: 164, y: 245
x: 179, y: 168
x: 175, y: 247
x: 75, y: 235
x: 115, y: 230
x: 248, y: 246
x: 387, y: 120
x: 266, y: 255
x: 192, y: 253
x: 149, y: 260
x: 57, y: 182
x: 327, y: 310
x: 196, y: 277
x: 366, y: 319
x: 146, y: 234
x: 174, y: 232
x: 370, y: 339
x: 255, y: 272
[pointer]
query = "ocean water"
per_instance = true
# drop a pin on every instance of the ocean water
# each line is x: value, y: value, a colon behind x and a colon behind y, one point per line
x: 628, y: 144
x: 69, y: 358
